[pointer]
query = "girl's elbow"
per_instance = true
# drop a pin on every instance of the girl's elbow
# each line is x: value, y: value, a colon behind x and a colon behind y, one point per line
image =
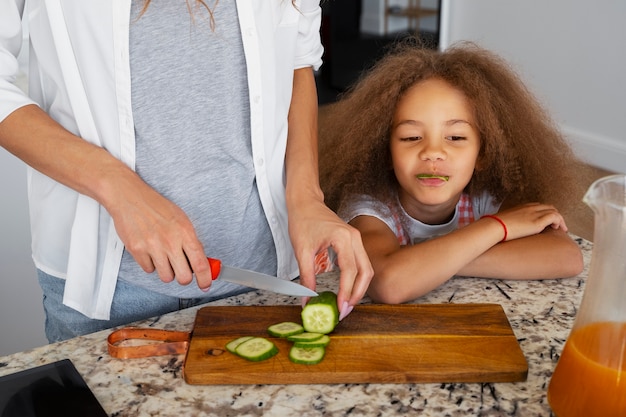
x: 382, y: 291
x: 572, y: 262
x: 577, y: 263
x: 385, y: 296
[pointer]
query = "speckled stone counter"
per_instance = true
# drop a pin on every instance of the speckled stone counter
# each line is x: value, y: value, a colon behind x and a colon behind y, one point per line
x: 541, y: 314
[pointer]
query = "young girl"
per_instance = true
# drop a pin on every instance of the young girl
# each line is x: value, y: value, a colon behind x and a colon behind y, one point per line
x: 448, y: 166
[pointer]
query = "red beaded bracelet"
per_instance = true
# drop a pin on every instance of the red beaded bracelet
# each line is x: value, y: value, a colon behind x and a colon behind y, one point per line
x: 506, y: 232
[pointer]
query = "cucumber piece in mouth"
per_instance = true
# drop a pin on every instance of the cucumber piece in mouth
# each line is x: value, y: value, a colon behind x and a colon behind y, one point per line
x: 426, y: 176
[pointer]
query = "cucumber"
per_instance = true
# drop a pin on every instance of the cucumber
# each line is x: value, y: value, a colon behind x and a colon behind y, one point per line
x: 232, y: 345
x: 304, y: 337
x: 321, y: 342
x: 321, y: 314
x: 306, y: 355
x: 256, y: 349
x: 285, y: 329
x: 441, y: 177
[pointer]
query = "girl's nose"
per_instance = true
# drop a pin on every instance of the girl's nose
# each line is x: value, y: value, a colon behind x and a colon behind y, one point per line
x: 432, y: 151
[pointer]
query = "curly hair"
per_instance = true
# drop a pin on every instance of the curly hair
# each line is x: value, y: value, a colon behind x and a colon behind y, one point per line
x: 523, y: 156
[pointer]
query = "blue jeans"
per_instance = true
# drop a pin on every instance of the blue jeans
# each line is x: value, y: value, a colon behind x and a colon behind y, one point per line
x: 130, y: 303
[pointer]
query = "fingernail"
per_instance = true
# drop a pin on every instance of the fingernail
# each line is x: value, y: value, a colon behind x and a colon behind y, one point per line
x: 345, y: 310
x: 304, y: 301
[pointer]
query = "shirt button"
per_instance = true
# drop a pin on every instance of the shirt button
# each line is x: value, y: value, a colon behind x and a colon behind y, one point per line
x: 260, y: 162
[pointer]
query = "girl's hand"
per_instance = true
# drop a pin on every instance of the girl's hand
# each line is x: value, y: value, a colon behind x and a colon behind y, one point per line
x: 531, y: 219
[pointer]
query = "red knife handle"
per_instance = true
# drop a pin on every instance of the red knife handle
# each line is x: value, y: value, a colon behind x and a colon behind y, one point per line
x: 216, y: 266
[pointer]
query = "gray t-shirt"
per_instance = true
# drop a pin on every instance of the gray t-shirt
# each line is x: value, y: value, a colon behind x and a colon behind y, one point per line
x: 192, y: 123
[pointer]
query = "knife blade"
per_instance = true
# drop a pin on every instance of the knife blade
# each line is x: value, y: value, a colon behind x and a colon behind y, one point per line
x: 257, y: 280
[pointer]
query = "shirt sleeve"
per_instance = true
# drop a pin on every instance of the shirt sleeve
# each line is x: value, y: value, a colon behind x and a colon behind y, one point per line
x: 11, y: 38
x: 484, y: 204
x: 309, y: 45
x: 364, y: 205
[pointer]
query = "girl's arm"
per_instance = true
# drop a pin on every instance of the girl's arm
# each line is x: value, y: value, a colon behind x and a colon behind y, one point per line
x: 549, y: 254
x: 531, y: 252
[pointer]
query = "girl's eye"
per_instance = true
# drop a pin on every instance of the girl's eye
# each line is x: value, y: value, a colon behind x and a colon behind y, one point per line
x: 410, y: 138
x: 455, y: 138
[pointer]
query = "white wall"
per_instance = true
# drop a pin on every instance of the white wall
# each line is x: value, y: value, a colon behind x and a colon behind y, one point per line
x: 21, y: 311
x: 571, y: 53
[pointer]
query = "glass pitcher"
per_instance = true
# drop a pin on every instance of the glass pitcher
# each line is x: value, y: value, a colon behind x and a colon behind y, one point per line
x: 590, y: 376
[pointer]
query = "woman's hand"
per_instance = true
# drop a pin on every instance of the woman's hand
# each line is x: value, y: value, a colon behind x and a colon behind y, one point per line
x: 156, y: 232
x: 313, y: 227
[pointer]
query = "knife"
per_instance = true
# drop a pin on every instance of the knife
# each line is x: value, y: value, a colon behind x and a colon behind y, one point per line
x: 257, y: 280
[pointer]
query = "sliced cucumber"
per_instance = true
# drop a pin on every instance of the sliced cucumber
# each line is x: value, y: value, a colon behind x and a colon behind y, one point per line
x: 285, y: 329
x: 321, y: 314
x: 256, y: 349
x: 441, y: 177
x: 232, y: 345
x: 304, y: 337
x: 321, y: 342
x: 306, y: 355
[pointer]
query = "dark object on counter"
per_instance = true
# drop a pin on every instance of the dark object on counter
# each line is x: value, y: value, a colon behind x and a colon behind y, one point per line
x: 55, y: 389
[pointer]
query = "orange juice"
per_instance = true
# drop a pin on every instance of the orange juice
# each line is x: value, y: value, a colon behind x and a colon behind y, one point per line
x: 590, y: 377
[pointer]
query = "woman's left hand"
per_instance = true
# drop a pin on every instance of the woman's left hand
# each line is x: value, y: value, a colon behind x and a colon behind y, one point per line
x: 314, y: 228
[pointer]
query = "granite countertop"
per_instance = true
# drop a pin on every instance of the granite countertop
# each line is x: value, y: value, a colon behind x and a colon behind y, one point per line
x: 541, y: 314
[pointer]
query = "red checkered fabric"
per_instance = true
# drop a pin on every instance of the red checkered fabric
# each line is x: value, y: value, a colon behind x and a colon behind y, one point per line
x: 466, y: 212
x: 323, y: 263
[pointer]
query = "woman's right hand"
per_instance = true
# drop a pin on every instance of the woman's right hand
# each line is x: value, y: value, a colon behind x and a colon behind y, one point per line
x: 155, y: 231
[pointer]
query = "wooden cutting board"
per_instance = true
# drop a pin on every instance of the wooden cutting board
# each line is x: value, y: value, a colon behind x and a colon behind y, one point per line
x: 374, y: 344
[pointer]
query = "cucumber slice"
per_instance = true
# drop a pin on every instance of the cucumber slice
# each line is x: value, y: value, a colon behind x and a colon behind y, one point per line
x: 285, y: 329
x: 321, y: 342
x: 306, y: 355
x: 232, y: 345
x: 304, y: 337
x: 321, y: 314
x: 441, y: 177
x: 256, y: 349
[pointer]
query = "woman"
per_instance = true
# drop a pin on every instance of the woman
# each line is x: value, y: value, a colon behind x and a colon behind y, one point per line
x: 161, y: 132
